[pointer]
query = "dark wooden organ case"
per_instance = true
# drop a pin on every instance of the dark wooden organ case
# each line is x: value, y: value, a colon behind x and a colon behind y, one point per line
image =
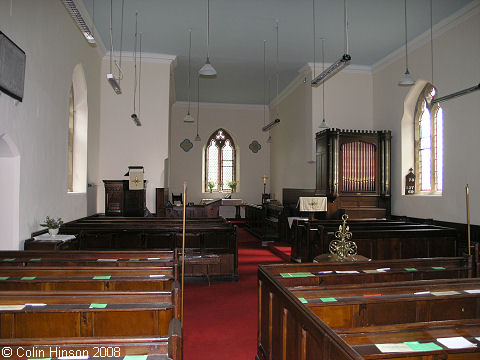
x: 353, y: 172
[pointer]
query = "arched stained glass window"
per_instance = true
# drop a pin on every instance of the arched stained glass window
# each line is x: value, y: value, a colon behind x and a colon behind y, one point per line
x: 429, y: 143
x: 220, y: 161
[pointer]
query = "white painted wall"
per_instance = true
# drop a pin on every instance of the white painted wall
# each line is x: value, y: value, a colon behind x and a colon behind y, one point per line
x: 456, y: 67
x: 39, y: 125
x: 244, y: 123
x: 348, y: 105
x: 122, y: 143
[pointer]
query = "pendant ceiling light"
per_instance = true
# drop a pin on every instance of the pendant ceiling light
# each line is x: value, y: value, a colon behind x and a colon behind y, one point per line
x: 406, y: 79
x: 197, y: 138
x: 189, y: 118
x: 323, y: 124
x: 134, y: 116
x: 207, y: 69
x: 79, y: 20
x: 271, y: 124
x: 113, y: 80
x: 344, y: 59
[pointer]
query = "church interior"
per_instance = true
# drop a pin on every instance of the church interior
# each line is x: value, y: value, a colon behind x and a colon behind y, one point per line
x: 262, y: 179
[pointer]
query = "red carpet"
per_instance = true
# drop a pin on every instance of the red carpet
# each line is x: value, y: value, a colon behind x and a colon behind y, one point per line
x: 220, y: 320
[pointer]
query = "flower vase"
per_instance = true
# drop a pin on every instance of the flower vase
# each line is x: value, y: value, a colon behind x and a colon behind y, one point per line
x: 53, y: 232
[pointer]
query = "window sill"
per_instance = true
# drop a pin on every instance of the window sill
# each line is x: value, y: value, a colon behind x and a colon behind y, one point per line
x: 424, y: 195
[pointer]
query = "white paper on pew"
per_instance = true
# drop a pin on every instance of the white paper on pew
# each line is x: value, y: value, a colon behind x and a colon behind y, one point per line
x: 473, y: 291
x: 107, y: 259
x: 445, y: 293
x: 347, y: 272
x: 156, y: 276
x: 393, y: 348
x: 371, y: 271
x: 36, y: 304
x: 422, y: 293
x: 74, y: 357
x: 458, y: 342
x: 325, y: 272
x: 153, y: 258
x: 11, y: 307
x: 383, y: 269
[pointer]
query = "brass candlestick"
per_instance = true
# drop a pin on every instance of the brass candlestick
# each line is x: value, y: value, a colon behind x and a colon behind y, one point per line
x: 264, y: 177
x: 342, y: 247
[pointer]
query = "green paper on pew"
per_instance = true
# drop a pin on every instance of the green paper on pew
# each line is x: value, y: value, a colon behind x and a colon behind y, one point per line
x: 35, y: 259
x: 410, y: 269
x: 4, y: 277
x: 10, y: 259
x: 135, y: 357
x: 328, y: 299
x: 438, y: 268
x: 28, y: 278
x: 134, y: 260
x: 302, y: 274
x: 104, y: 277
x: 286, y: 275
x: 97, y: 306
x: 416, y: 346
x: 303, y: 301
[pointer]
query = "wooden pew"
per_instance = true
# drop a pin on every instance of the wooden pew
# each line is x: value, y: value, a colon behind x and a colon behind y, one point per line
x: 375, y: 240
x: 364, y: 340
x: 362, y: 272
x: 210, y: 239
x: 156, y: 347
x: 92, y: 279
x: 86, y: 314
x: 394, y: 303
x: 288, y: 329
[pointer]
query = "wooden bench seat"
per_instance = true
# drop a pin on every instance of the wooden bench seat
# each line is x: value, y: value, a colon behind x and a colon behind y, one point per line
x: 156, y: 347
x: 371, y: 271
x: 365, y: 340
x: 30, y: 314
x: 308, y: 322
x: 375, y: 240
x: 103, y: 281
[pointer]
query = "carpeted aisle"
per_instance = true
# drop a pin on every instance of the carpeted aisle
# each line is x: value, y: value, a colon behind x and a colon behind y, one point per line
x: 220, y: 320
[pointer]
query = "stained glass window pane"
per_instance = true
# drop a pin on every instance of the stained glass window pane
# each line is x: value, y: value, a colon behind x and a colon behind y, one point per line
x: 227, y: 164
x: 439, y: 150
x: 212, y: 164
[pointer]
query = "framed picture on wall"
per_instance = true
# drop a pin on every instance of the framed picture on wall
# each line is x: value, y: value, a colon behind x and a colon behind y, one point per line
x: 12, y: 68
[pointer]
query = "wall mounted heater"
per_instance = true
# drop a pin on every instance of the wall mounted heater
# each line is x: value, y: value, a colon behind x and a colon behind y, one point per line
x: 77, y: 16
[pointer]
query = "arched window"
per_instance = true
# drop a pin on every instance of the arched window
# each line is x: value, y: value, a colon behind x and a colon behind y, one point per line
x: 71, y: 123
x: 78, y: 132
x: 220, y: 157
x: 428, y: 143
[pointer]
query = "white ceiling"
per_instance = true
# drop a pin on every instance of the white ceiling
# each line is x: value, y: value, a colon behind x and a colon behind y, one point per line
x: 239, y: 27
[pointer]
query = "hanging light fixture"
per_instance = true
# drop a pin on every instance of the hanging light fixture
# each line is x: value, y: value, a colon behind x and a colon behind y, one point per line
x: 344, y: 59
x: 79, y: 20
x: 323, y: 124
x: 207, y: 69
x: 134, y: 116
x: 277, y: 119
x: 189, y: 118
x: 197, y: 138
x: 111, y: 78
x: 406, y: 79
